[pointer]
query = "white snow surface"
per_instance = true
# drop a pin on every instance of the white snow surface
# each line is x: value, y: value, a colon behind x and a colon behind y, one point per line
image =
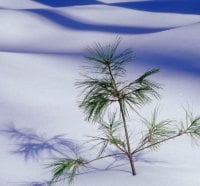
x: 41, y: 49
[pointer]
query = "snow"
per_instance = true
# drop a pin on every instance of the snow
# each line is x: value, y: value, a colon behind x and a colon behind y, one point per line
x: 41, y: 48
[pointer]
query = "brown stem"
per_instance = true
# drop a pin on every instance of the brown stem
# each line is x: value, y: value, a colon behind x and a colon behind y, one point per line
x: 131, y: 83
x: 146, y: 147
x: 124, y: 121
x: 127, y: 139
x: 102, y: 157
x: 144, y: 143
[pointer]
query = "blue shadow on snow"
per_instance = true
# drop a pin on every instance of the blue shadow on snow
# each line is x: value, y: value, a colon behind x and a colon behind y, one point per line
x: 31, y: 145
x: 175, y: 62
x: 71, y: 23
x: 179, y: 7
x: 66, y: 3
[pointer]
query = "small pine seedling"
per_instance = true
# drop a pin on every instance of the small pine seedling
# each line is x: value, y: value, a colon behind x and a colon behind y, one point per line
x: 103, y: 88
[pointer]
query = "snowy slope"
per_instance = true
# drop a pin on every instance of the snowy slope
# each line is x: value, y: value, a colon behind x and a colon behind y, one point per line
x: 41, y: 48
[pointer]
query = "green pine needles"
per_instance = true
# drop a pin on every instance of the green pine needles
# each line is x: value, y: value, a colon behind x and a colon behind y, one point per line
x: 108, y: 100
x: 66, y: 167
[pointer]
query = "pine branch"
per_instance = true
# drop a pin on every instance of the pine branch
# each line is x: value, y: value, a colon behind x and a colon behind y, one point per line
x: 192, y: 129
x: 157, y: 143
x: 109, y: 134
x: 103, y: 157
x: 65, y: 168
x: 141, y: 78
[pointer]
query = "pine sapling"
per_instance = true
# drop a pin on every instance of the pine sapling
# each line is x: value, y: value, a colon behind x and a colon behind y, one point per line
x: 107, y: 100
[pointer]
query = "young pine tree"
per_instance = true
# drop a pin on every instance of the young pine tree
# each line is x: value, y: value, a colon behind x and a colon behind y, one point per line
x: 103, y: 89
